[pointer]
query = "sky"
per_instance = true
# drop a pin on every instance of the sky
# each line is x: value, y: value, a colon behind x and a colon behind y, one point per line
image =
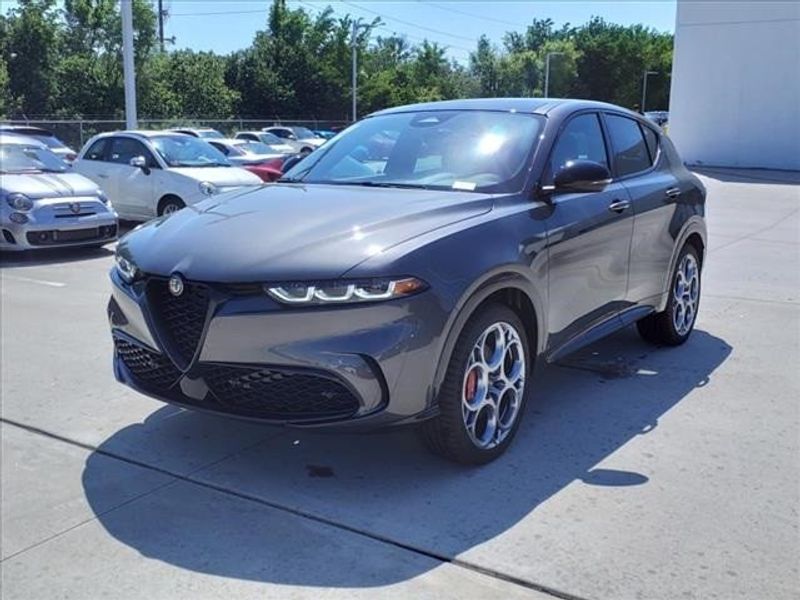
x: 227, y: 25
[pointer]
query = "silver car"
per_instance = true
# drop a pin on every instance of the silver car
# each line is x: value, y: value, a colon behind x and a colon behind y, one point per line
x: 44, y: 204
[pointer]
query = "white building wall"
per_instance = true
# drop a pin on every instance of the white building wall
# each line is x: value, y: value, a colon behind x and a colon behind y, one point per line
x: 735, y: 97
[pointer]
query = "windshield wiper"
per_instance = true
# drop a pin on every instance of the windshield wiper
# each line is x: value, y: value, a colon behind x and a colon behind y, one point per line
x: 384, y: 184
x: 288, y: 180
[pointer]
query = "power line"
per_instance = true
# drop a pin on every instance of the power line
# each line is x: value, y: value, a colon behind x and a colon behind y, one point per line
x: 409, y: 23
x: 461, y: 12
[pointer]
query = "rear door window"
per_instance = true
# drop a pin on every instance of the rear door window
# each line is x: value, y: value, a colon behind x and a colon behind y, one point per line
x: 630, y: 150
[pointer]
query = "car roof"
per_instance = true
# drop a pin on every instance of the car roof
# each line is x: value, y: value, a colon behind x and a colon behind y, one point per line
x: 139, y: 133
x: 8, y: 138
x: 26, y: 130
x: 229, y: 141
x: 540, y: 106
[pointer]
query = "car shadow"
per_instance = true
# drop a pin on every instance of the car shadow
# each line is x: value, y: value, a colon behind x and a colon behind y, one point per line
x: 388, y: 486
x: 52, y: 256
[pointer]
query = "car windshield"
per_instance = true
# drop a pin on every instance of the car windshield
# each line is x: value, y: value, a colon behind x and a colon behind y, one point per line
x: 210, y: 134
x: 49, y: 140
x: 254, y: 148
x: 270, y: 138
x: 186, y: 151
x: 20, y: 158
x: 480, y: 151
x: 303, y: 133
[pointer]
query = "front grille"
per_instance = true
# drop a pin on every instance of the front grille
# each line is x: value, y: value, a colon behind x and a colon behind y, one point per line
x: 152, y: 371
x: 55, y: 236
x: 179, y: 319
x: 279, y: 394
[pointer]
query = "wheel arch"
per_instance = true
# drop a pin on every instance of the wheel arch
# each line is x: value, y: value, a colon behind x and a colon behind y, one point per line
x: 694, y: 233
x: 163, y: 200
x: 511, y: 288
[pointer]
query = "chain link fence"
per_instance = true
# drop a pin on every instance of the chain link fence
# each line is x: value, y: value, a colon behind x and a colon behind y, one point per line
x: 75, y: 132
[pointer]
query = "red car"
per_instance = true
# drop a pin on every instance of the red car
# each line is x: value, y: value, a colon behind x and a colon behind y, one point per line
x: 253, y: 156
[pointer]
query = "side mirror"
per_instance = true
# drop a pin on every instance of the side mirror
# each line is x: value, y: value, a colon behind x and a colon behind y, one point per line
x: 140, y: 162
x: 581, y: 176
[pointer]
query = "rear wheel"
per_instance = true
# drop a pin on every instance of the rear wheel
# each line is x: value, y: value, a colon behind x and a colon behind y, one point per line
x: 169, y: 205
x: 674, y: 325
x: 483, y: 395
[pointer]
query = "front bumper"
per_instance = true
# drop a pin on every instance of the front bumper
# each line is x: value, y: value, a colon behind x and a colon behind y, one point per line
x: 358, y: 367
x: 57, y: 225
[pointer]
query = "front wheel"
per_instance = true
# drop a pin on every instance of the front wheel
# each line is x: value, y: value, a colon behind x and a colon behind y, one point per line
x: 483, y: 394
x: 170, y: 205
x: 674, y: 325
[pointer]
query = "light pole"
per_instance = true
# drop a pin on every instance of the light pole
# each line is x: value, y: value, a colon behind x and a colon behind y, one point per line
x: 547, y: 72
x: 644, y: 86
x: 356, y: 26
x: 127, y: 63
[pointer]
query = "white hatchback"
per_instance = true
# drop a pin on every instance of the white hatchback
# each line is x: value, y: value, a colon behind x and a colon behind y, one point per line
x: 152, y: 173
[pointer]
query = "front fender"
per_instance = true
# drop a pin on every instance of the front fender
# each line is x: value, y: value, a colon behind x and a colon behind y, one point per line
x: 507, y: 276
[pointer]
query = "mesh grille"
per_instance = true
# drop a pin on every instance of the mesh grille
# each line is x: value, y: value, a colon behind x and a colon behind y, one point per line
x: 153, y: 372
x: 277, y: 393
x: 179, y: 319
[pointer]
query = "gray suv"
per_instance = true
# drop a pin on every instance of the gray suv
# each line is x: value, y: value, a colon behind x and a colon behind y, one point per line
x: 413, y: 269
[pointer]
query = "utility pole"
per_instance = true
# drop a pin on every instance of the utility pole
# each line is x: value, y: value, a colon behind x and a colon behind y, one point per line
x: 547, y: 72
x: 127, y: 63
x: 161, y: 24
x: 644, y: 86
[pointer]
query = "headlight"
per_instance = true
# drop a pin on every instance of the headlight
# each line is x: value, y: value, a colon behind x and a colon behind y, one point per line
x: 208, y: 188
x: 341, y: 292
x: 19, y: 202
x: 126, y: 269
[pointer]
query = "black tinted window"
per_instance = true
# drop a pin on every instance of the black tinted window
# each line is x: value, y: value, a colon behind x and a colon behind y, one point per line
x: 124, y: 149
x: 581, y: 139
x: 97, y: 150
x: 651, y: 138
x: 630, y: 150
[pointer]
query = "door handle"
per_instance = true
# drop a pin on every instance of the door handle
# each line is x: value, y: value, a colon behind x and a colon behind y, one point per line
x: 102, y: 176
x: 673, y: 192
x: 619, y: 206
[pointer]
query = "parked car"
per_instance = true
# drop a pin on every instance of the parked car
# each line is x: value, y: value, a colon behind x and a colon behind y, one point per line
x: 499, y: 232
x: 207, y: 133
x: 44, y: 205
x: 44, y: 136
x: 659, y: 117
x: 325, y: 134
x: 274, y: 143
x: 253, y: 156
x: 153, y: 173
x: 302, y: 138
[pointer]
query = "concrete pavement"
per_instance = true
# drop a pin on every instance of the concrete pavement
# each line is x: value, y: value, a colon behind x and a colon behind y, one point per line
x: 637, y: 473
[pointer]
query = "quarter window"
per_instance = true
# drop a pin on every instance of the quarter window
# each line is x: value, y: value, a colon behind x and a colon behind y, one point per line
x: 630, y: 150
x: 651, y: 138
x: 97, y: 151
x: 581, y: 139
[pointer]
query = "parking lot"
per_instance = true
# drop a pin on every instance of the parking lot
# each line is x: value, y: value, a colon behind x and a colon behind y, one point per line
x: 638, y: 472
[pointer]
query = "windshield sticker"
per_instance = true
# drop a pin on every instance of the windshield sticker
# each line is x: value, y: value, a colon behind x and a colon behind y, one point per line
x: 463, y: 185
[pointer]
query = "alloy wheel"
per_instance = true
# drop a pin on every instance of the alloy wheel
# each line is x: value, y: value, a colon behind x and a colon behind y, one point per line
x: 685, y: 294
x: 493, y: 386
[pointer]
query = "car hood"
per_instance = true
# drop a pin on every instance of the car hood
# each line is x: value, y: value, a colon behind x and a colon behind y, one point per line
x: 219, y: 176
x: 292, y: 232
x: 48, y: 185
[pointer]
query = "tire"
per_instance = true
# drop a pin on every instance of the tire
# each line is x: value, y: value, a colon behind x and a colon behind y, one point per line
x: 305, y: 150
x: 469, y: 376
x: 169, y: 205
x: 674, y: 325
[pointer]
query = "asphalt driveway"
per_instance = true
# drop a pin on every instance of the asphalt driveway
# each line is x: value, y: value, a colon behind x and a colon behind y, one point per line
x: 638, y: 472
